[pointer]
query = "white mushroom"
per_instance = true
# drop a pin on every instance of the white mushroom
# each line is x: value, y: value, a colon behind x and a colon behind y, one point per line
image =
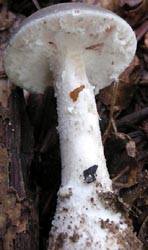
x: 83, y: 49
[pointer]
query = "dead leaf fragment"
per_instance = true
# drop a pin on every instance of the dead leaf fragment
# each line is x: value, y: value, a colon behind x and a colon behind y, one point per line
x: 126, y: 87
x: 107, y: 4
x: 141, y: 30
x: 7, y: 18
x: 131, y: 149
x: 146, y: 40
x: 144, y: 232
x: 133, y: 10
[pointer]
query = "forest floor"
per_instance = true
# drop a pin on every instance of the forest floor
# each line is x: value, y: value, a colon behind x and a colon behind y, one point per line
x: 123, y: 108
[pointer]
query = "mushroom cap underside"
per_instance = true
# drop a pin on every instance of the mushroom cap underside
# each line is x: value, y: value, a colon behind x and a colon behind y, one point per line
x: 104, y: 40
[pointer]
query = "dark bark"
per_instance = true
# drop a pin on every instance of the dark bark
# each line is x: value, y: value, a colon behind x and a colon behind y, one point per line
x: 18, y: 217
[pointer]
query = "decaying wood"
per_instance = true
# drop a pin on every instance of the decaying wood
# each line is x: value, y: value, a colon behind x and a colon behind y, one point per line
x: 18, y: 218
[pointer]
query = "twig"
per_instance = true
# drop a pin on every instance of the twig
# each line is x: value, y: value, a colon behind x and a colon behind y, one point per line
x: 36, y: 4
x: 111, y: 120
x: 119, y: 175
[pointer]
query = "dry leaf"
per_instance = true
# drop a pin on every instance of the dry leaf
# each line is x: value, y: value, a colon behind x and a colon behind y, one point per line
x: 146, y: 40
x: 7, y: 18
x: 107, y: 4
x: 141, y: 30
x: 131, y: 149
x: 125, y: 89
x: 144, y: 232
x: 133, y: 10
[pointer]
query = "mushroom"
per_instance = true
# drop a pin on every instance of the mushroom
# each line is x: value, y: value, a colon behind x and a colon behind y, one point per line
x: 80, y: 49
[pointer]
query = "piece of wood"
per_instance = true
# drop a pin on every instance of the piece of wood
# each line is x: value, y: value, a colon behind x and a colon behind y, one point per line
x: 18, y: 217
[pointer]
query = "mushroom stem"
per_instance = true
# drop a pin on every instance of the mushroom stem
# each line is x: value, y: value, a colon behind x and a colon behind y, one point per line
x: 80, y: 210
x: 80, y: 138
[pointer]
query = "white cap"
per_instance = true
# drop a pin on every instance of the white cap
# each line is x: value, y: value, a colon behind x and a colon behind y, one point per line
x: 33, y: 55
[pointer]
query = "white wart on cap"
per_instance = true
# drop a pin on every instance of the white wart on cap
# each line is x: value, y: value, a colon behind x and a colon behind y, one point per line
x: 35, y: 50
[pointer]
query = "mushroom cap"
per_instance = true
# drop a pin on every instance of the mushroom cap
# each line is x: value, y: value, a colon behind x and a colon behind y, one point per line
x: 106, y: 42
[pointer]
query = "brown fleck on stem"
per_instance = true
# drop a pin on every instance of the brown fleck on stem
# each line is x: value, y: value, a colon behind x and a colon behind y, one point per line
x: 75, y: 93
